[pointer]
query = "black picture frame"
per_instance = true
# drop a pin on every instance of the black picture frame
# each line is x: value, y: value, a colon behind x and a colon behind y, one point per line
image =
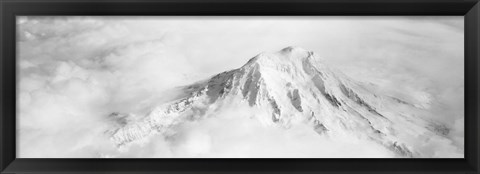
x: 470, y: 9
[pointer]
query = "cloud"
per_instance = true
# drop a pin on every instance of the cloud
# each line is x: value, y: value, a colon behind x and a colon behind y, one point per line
x: 235, y: 133
x: 74, y: 71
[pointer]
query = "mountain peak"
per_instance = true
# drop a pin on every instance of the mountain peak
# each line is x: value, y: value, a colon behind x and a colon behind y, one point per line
x: 287, y: 54
x: 294, y: 53
x: 291, y: 49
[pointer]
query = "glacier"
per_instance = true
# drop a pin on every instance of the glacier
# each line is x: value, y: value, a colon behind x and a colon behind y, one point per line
x: 286, y: 88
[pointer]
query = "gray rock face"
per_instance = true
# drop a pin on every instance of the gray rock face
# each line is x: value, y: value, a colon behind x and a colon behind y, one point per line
x: 295, y: 99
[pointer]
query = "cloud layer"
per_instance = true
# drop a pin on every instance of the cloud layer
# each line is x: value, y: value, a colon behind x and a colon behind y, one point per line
x: 74, y: 71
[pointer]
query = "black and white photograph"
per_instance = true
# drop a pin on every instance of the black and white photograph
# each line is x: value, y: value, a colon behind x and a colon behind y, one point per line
x: 240, y: 87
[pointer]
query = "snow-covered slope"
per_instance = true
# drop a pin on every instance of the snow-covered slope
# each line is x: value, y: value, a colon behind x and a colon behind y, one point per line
x: 288, y: 87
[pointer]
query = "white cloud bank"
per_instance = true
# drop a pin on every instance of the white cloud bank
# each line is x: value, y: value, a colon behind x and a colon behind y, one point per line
x: 235, y: 133
x: 74, y: 71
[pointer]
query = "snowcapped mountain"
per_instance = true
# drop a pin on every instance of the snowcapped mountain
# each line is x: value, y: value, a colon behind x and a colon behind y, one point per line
x: 289, y: 87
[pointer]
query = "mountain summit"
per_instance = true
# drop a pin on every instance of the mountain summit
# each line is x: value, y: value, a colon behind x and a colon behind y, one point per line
x: 287, y: 87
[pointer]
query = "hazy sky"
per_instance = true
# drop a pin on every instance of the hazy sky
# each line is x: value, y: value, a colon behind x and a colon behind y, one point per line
x: 73, y: 71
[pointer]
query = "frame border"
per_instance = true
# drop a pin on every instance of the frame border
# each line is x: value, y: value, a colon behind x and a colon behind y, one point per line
x: 470, y: 9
